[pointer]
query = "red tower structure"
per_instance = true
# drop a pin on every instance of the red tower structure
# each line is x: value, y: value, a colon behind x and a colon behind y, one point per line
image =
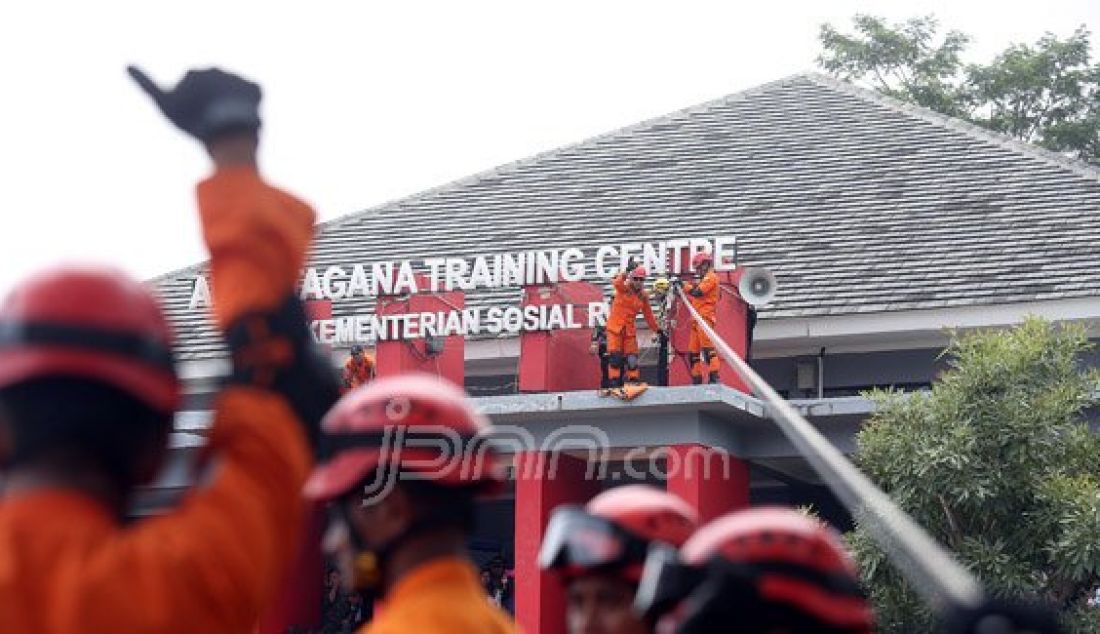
x: 441, y: 355
x: 559, y: 360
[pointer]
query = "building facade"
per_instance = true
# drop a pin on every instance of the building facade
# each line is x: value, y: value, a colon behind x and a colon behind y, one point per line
x: 885, y: 224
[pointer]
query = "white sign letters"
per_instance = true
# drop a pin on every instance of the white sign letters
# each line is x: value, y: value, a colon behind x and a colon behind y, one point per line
x: 509, y: 269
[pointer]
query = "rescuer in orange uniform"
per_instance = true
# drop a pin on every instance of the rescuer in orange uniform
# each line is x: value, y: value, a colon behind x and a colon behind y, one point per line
x: 758, y: 571
x: 622, y: 333
x: 599, y: 552
x: 88, y: 389
x: 401, y: 513
x: 358, y: 369
x: 703, y: 295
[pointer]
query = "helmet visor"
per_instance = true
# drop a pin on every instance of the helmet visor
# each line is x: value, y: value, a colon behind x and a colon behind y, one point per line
x: 665, y: 582
x: 574, y: 539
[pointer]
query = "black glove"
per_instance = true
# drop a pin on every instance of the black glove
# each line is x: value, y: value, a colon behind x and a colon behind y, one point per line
x: 274, y: 351
x: 206, y: 103
x: 695, y: 291
x: 631, y: 265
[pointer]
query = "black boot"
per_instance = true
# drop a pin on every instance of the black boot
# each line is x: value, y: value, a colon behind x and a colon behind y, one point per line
x: 713, y: 377
x: 696, y: 379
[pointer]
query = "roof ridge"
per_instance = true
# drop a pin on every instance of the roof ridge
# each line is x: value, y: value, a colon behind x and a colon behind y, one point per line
x: 951, y: 123
x: 1081, y: 168
x: 178, y: 272
x: 509, y: 167
x: 506, y: 168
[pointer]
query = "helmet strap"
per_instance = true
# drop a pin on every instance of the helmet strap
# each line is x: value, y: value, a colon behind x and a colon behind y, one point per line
x: 372, y: 564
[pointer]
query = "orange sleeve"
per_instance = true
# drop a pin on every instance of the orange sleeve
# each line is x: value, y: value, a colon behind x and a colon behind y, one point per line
x: 647, y: 311
x: 212, y: 564
x: 257, y: 236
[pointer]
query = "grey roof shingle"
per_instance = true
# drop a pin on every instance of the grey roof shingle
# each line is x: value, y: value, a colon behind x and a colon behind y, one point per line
x: 857, y: 202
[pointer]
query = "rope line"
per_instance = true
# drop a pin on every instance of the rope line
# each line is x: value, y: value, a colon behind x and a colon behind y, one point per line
x: 933, y: 572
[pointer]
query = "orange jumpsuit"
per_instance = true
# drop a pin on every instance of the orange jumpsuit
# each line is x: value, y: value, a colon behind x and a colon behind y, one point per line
x: 358, y: 372
x: 622, y: 332
x: 443, y: 596
x: 212, y: 563
x: 699, y: 345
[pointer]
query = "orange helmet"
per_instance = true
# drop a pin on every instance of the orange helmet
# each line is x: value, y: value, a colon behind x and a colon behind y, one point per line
x: 613, y: 532
x: 700, y: 258
x: 94, y: 323
x: 412, y: 422
x: 639, y: 273
x: 755, y: 560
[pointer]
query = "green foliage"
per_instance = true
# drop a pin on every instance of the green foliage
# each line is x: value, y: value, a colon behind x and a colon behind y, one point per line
x: 1046, y: 93
x: 900, y: 60
x: 998, y: 463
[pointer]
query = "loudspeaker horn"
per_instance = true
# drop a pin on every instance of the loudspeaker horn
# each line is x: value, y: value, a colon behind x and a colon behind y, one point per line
x: 757, y: 285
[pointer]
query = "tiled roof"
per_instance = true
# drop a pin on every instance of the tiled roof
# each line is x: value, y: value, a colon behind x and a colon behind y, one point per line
x: 859, y: 203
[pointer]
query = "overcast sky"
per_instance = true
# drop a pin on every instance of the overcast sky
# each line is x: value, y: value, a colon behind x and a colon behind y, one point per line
x: 367, y: 102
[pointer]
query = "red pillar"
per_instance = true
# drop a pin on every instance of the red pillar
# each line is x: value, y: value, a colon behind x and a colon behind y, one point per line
x: 397, y: 355
x: 714, y: 481
x: 543, y: 481
x: 298, y: 602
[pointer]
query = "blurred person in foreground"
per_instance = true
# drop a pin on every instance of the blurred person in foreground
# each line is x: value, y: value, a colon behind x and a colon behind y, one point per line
x: 87, y: 394
x: 405, y: 461
x: 599, y: 551
x: 758, y: 571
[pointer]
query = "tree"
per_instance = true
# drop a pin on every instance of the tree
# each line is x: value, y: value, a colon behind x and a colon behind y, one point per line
x: 998, y: 463
x: 900, y: 60
x: 1047, y: 94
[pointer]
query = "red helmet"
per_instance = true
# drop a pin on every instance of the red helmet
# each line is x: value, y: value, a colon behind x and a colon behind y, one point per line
x: 613, y: 532
x: 639, y: 273
x: 771, y: 556
x: 89, y: 322
x: 700, y: 258
x: 647, y: 512
x: 412, y: 420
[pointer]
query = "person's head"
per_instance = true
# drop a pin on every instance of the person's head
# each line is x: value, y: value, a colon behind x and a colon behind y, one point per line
x: 393, y: 501
x: 357, y: 352
x: 770, y: 570
x: 599, y: 551
x: 496, y: 566
x: 87, y: 383
x: 333, y: 578
x: 636, y: 278
x: 702, y: 262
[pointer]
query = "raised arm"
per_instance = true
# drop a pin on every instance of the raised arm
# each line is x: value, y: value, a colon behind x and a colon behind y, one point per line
x: 213, y: 563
